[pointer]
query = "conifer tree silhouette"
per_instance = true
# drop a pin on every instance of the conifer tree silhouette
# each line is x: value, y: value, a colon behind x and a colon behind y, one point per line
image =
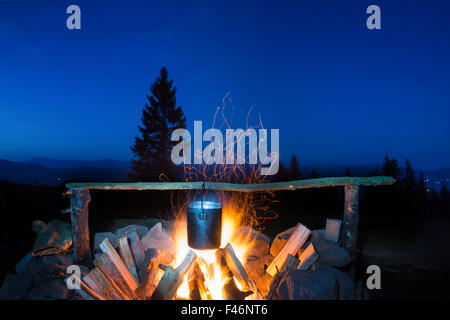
x: 160, y: 117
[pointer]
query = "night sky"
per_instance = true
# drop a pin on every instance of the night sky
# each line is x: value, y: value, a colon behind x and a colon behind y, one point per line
x: 339, y: 93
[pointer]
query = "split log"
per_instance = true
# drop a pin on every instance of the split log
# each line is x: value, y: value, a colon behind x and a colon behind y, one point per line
x: 149, y: 278
x: 95, y: 279
x: 108, y: 268
x: 94, y: 285
x: 172, y: 278
x: 239, y: 271
x: 127, y: 257
x: 196, y: 282
x: 308, y: 257
x: 292, y: 246
x: 229, y: 290
x: 84, y: 291
x: 290, y: 264
x: 79, y: 212
x: 332, y: 230
x: 119, y: 265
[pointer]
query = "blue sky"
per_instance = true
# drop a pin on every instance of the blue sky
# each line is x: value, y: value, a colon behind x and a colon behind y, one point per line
x: 339, y: 93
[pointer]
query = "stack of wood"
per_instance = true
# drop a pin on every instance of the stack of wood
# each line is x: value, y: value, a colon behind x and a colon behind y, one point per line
x: 116, y: 276
x: 291, y: 257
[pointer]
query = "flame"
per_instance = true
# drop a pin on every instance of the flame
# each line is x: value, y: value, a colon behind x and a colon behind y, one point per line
x: 231, y: 221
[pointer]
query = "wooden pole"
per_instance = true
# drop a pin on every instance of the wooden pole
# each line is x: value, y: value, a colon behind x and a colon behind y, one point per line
x: 256, y: 187
x: 79, y: 212
x: 351, y: 218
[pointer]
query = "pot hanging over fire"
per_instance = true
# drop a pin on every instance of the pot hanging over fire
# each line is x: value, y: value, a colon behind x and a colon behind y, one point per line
x: 204, y: 224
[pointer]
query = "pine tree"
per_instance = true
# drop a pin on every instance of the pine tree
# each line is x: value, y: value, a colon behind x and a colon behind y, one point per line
x: 282, y: 174
x: 390, y: 167
x: 294, y: 169
x: 313, y: 174
x: 160, y: 117
x: 409, y: 178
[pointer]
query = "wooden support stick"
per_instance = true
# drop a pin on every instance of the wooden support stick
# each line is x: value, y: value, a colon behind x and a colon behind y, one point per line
x: 172, y: 278
x: 119, y: 265
x: 273, y: 186
x: 79, y: 212
x: 351, y: 218
x: 308, y: 257
x: 127, y: 257
x: 292, y: 246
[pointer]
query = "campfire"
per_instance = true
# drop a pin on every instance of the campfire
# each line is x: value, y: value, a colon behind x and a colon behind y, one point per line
x: 193, y: 272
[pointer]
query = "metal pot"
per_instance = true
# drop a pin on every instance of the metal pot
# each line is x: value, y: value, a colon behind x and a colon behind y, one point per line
x: 204, y: 224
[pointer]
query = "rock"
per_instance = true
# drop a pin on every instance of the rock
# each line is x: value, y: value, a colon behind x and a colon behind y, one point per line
x: 346, y: 285
x: 136, y: 248
x: 16, y: 287
x: 51, y: 289
x: 157, y: 238
x: 280, y: 240
x: 259, y: 242
x: 51, y: 235
x: 23, y: 263
x: 100, y: 236
x: 318, y: 235
x: 307, y: 285
x: 140, y: 230
x: 49, y: 282
x: 330, y: 253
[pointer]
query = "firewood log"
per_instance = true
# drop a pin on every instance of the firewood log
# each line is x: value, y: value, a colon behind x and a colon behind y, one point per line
x: 149, y: 278
x: 308, y: 257
x: 229, y: 291
x: 95, y: 279
x: 172, y: 278
x: 127, y: 257
x: 108, y: 270
x: 239, y: 272
x: 119, y: 265
x: 291, y: 264
x: 292, y: 246
x: 196, y: 281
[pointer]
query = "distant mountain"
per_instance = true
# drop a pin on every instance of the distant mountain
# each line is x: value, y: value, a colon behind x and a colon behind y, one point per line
x: 104, y: 163
x: 33, y: 173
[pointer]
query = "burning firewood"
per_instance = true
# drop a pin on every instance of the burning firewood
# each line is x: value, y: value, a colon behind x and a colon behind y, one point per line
x: 108, y: 270
x: 229, y: 291
x: 118, y: 264
x: 239, y: 271
x: 149, y: 278
x: 172, y: 278
x: 196, y: 281
x: 127, y: 256
x: 308, y: 257
x: 292, y: 246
